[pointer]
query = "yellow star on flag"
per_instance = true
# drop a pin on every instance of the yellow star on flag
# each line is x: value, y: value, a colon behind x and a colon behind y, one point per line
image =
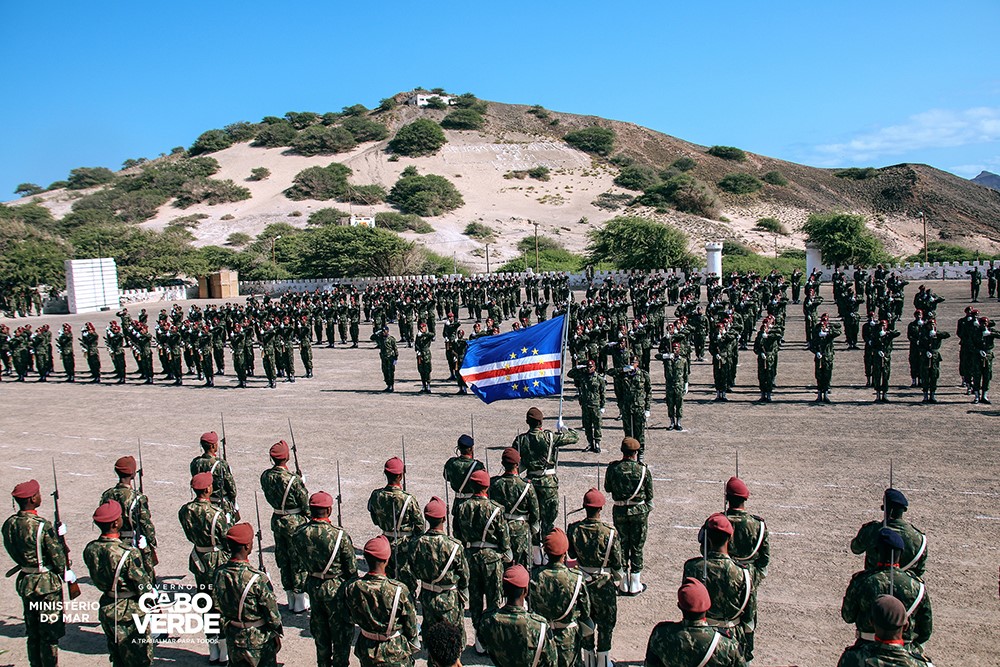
x: 513, y: 355
x: 535, y: 351
x: 526, y: 389
x: 535, y: 383
x: 514, y: 385
x: 524, y: 350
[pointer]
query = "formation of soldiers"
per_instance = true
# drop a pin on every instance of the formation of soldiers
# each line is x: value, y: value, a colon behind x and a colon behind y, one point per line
x: 20, y: 300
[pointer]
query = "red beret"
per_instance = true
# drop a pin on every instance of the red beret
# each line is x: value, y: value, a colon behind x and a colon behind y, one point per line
x: 378, y: 548
x: 516, y: 575
x: 202, y: 481
x: 736, y: 487
x: 125, y: 465
x: 593, y: 498
x: 720, y: 523
x: 510, y: 455
x: 108, y: 512
x: 480, y: 478
x: 536, y: 414
x: 210, y: 438
x: 435, y: 509
x: 26, y: 489
x: 556, y: 543
x: 630, y: 445
x: 693, y: 597
x: 241, y: 533
x: 279, y: 451
x: 321, y: 499
x: 395, y: 466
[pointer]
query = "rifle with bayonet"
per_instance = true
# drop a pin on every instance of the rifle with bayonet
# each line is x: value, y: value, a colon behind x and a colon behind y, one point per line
x: 402, y: 440
x: 340, y: 498
x: 295, y: 450
x: 135, y: 518
x: 224, y: 457
x: 74, y: 587
x: 260, y: 536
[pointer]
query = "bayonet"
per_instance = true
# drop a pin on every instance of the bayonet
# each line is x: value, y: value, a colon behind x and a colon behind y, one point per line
x: 402, y: 440
x: 74, y: 588
x: 447, y: 502
x: 140, y: 471
x: 340, y: 498
x: 221, y: 414
x: 295, y: 450
x: 260, y: 535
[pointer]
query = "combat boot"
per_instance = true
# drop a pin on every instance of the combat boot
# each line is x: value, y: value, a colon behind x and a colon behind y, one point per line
x: 678, y: 427
x: 985, y: 399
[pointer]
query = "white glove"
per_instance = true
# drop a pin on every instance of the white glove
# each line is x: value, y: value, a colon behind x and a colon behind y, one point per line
x: 602, y: 411
x: 819, y: 355
x: 560, y: 426
x: 646, y: 414
x: 69, y: 577
x: 61, y: 530
x: 142, y: 544
x: 303, y: 479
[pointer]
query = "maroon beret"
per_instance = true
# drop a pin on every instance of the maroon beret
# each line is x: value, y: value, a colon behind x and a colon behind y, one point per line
x: 720, y: 523
x: 202, y: 481
x: 126, y: 465
x: 516, y: 575
x: 435, y: 509
x: 108, y: 512
x: 279, y: 451
x: 210, y: 438
x: 556, y: 543
x: 26, y: 489
x: 395, y: 466
x: 535, y: 413
x: 378, y: 548
x: 736, y: 487
x: 480, y: 478
x: 321, y: 499
x: 510, y: 455
x: 630, y: 445
x: 693, y: 597
x: 241, y: 533
x: 593, y: 498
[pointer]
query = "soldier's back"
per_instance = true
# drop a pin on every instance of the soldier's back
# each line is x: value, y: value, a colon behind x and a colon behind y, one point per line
x: 515, y: 637
x: 685, y: 643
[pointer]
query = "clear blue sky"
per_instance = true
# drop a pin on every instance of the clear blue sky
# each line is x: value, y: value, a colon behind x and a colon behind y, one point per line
x: 826, y: 84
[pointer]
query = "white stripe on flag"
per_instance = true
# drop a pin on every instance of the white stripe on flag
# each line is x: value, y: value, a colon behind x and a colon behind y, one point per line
x: 517, y: 377
x: 498, y: 365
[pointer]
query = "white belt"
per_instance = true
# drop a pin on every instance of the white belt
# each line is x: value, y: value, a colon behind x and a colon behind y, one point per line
x: 867, y: 636
x: 481, y: 545
x: 374, y: 636
x: 595, y: 570
x: 34, y: 570
x: 629, y: 503
x: 287, y: 512
x: 206, y: 550
x: 126, y: 534
x: 516, y: 517
x: 396, y: 534
x: 435, y: 588
x: 462, y: 496
x: 556, y: 625
x: 244, y: 626
x: 542, y: 473
x: 722, y: 624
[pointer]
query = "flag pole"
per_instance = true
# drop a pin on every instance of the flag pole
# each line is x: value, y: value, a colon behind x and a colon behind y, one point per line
x: 562, y: 356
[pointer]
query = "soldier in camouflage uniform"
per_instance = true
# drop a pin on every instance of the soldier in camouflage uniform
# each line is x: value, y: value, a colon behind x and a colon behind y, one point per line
x: 591, y: 388
x: 821, y: 345
x: 388, y: 354
x: 64, y: 343
x: 243, y: 596
x: 238, y: 341
x: 89, y: 341
x: 636, y: 394
x: 520, y: 505
x: 631, y: 487
x: 749, y: 547
x: 729, y: 585
x: 597, y: 549
x: 303, y: 333
x: 559, y: 594
x: 34, y: 546
x: 458, y: 471
x: 887, y: 578
x: 137, y: 523
x: 539, y: 450
x: 514, y: 636
x: 888, y: 650
x: 766, y: 346
x: 223, y: 484
x: 205, y: 525
x: 117, y: 571
x: 115, y: 342
x: 692, y: 640
x: 482, y: 528
x: 423, y: 350
x: 326, y: 553
x: 438, y: 571
x: 383, y: 608
x: 913, y: 557
x: 675, y: 376
x: 395, y: 512
x: 287, y: 495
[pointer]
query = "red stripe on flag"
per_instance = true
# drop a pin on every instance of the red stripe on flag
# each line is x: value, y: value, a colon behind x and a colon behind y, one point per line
x: 513, y: 370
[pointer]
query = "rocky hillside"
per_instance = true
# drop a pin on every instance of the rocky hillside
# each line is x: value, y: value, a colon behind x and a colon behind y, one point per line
x: 988, y: 179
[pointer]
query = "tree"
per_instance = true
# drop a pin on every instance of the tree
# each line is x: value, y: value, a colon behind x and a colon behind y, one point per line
x: 355, y: 110
x: 134, y: 162
x: 425, y: 195
x: 684, y: 164
x: 728, y: 153
x: 436, y: 103
x: 772, y: 225
x: 597, y: 140
x: 740, y: 183
x: 339, y: 252
x: 302, y: 119
x: 210, y: 142
x: 273, y: 135
x: 364, y: 129
x: 470, y: 101
x: 210, y: 191
x: 259, y: 174
x: 322, y: 140
x: 238, y: 239
x: 88, y: 177
x: 387, y: 104
x: 28, y: 189
x: 639, y: 243
x: 241, y: 131
x: 683, y: 192
x: 844, y: 239
x: 636, y: 178
x: 329, y: 182
x: 327, y: 216
x: 463, y: 119
x: 774, y: 178
x: 421, y: 137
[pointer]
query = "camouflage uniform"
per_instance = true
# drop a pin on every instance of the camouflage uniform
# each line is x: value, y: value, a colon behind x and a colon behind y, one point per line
x: 520, y: 504
x: 398, y: 515
x: 515, y: 637
x: 64, y: 343
x: 383, y: 609
x: 636, y: 392
x: 560, y: 595
x: 388, y: 354
x: 205, y: 525
x: 750, y: 547
x: 908, y: 588
x: 136, y: 522
x: 26, y: 536
x: 326, y: 553
x: 483, y: 529
x: 117, y: 571
x: 683, y: 643
x: 250, y: 615
x: 913, y: 557
x: 223, y: 484
x: 730, y: 588
x: 598, y: 552
x: 289, y: 498
x: 89, y: 342
x: 882, y: 654
x: 539, y: 450
x: 630, y: 484
x: 591, y: 389
x: 438, y: 571
x: 423, y: 350
x: 457, y: 472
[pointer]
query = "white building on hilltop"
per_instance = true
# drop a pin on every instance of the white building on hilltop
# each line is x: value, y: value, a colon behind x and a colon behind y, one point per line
x: 422, y: 99
x: 363, y: 221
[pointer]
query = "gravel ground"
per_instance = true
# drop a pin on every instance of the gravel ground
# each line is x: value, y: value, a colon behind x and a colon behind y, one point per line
x: 815, y: 472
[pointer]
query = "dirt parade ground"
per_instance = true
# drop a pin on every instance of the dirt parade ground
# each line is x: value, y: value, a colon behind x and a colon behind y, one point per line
x: 816, y: 473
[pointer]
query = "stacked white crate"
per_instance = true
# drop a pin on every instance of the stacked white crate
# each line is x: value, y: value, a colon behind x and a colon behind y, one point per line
x: 91, y: 284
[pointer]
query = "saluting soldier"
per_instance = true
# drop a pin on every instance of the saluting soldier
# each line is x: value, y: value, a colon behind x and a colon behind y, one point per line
x: 458, y: 471
x: 423, y: 350
x: 395, y: 512
x: 326, y: 553
x: 749, y: 547
x: 287, y: 495
x: 205, y: 525
x: 117, y: 571
x: 590, y: 392
x: 115, y: 342
x: 246, y: 602
x: 913, y: 556
x: 383, y: 609
x: 559, y: 594
x: 675, y: 376
x: 514, y: 636
x: 438, y: 571
x: 388, y: 354
x: 821, y: 345
x: 539, y: 450
x: 238, y: 341
x: 137, y: 523
x: 223, y: 484
x: 520, y: 503
x: 692, y: 640
x: 34, y: 546
x: 930, y: 347
x: 631, y: 487
x: 64, y: 343
x: 89, y: 341
x: 597, y: 549
x: 482, y: 528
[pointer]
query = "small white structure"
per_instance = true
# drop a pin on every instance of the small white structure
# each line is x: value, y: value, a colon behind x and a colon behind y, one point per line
x: 422, y: 99
x: 814, y: 259
x: 362, y: 221
x: 713, y: 263
x: 91, y: 285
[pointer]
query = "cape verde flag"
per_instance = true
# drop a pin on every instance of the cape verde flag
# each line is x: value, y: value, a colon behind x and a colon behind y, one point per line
x: 517, y: 364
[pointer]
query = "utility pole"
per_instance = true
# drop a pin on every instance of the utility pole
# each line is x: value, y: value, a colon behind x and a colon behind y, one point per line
x: 487, y: 258
x: 923, y: 218
x: 273, y: 241
x: 536, y: 246
x: 454, y: 262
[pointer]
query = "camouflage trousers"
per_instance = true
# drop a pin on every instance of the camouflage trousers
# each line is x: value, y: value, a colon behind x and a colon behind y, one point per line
x: 355, y: 328
x: 765, y: 376
x: 389, y: 372
x: 69, y: 365
x: 824, y: 373
x: 592, y: 423
x: 94, y: 363
x: 675, y: 402
x: 547, y: 490
x: 306, y: 354
x: 603, y: 611
x: 127, y: 647
x: 982, y: 373
x: 485, y: 582
x: 251, y: 647
x: 43, y: 636
x: 567, y: 642
x: 520, y: 542
x: 931, y: 372
x: 283, y: 527
x: 445, y: 606
x: 269, y: 368
x: 330, y: 633
x: 881, y: 369
x: 424, y: 368
x: 632, y: 533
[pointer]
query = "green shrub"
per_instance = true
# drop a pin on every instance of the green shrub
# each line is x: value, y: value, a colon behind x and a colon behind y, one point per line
x: 728, y: 153
x: 210, y: 142
x: 189, y: 221
x: 241, y: 131
x: 134, y: 162
x: 355, y: 110
x: 327, y: 216
x: 425, y: 195
x: 684, y: 164
x: 274, y: 135
x: 558, y: 259
x: 210, y: 191
x: 684, y: 193
x: 939, y: 251
x: 597, y: 140
x: 364, y: 129
x: 402, y: 222
x: 330, y: 118
x: 735, y: 248
x: 436, y: 103
x: 421, y: 137
x: 772, y: 225
x: 329, y: 182
x: 856, y: 173
x: 238, y: 239
x: 88, y: 177
x: 228, y: 216
x: 740, y: 183
x: 775, y: 178
x: 177, y: 150
x: 345, y: 251
x: 56, y: 185
x: 259, y: 174
x: 365, y: 194
x: 527, y: 244
x: 540, y: 173
x: 622, y: 160
x: 323, y: 140
x: 639, y: 243
x: 479, y: 231
x: 463, y: 119
x: 609, y: 201
x: 793, y: 253
x: 843, y: 238
x: 300, y: 120
x: 636, y: 178
x: 471, y: 102
x: 28, y: 189
x: 387, y: 104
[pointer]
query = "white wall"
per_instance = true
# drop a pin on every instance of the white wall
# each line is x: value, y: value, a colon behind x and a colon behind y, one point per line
x: 91, y: 284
